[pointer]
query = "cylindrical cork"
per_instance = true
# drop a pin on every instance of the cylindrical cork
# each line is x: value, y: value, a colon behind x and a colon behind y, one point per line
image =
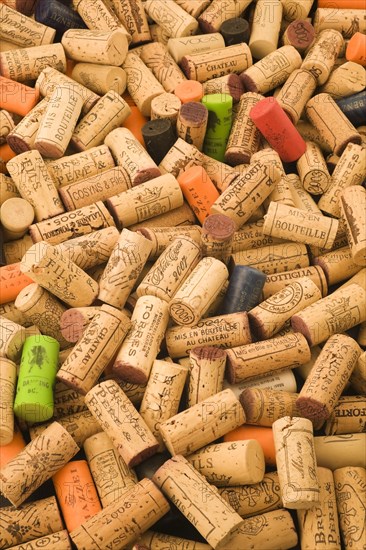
x: 217, y: 236
x: 27, y: 63
x: 338, y: 451
x: 277, y: 281
x: 162, y: 396
x: 58, y: 121
x: 133, y: 17
x: 125, y: 264
x: 215, y: 520
x: 76, y: 493
x: 124, y: 520
x: 337, y: 131
x: 96, y: 15
x: 230, y: 463
x: 198, y: 291
x: 300, y: 34
x: 90, y: 250
x: 100, y: 78
x: 97, y: 346
x: 333, y: 314
x: 301, y: 198
x: 230, y: 84
x: 244, y: 136
x: 72, y: 168
x: 141, y: 83
x: 55, y: 541
x: 212, y: 64
x: 36, y: 519
x: 353, y: 205
x: 92, y: 46
x: 251, y: 500
x: 23, y: 135
x: 272, y: 70
x: 66, y: 400
x: 37, y: 463
x: 262, y: 407
x: 112, y: 477
x: 8, y: 375
x: 295, y: 93
x: 198, y: 190
x: 337, y: 265
x: 171, y: 269
x: 141, y: 346
x: 319, y: 63
x: 223, y: 331
x: 328, y: 377
x: 50, y: 78
x: 43, y: 310
x: 203, y: 423
x: 296, y: 462
x: 350, y: 170
x: 245, y: 289
x: 130, y: 154
x: 16, y: 216
x: 172, y: 18
x: 281, y: 193
x: 235, y: 30
x: 179, y: 47
x: 159, y: 136
x: 251, y: 236
x: 181, y: 156
x: 274, y: 258
x: 318, y: 525
x: 180, y: 216
x: 158, y: 34
x: 7, y: 125
x: 206, y: 373
x: 348, y: 416
x: 216, y: 14
x: 107, y: 114
x: 271, y: 315
x: 313, y: 170
x: 34, y: 184
x: 153, y: 539
x: 344, y: 81
x: 28, y: 31
x: 79, y: 425
x: 165, y: 106
x: 294, y: 224
x: 72, y: 224
x: 191, y: 123
x: 162, y: 237
x: 290, y: 350
x: 350, y: 488
x: 123, y: 424
x: 246, y: 193
x: 163, y: 66
x: 266, y: 27
x: 54, y: 271
x: 12, y: 339
x: 147, y: 200
x: 347, y: 21
x: 219, y: 124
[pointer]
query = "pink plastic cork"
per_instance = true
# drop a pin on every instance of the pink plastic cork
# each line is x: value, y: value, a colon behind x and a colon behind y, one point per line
x: 272, y: 121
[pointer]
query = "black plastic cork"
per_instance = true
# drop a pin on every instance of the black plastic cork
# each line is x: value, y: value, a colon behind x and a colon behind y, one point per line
x: 235, y: 31
x: 159, y: 136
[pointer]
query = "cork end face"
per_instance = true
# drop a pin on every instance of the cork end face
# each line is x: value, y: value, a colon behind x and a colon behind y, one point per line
x: 356, y: 139
x: 143, y: 455
x: 235, y: 157
x: 129, y: 373
x: 70, y: 382
x: 208, y: 352
x: 299, y: 325
x: 230, y: 373
x: 72, y: 325
x: 260, y: 331
x: 248, y: 401
x: 312, y: 409
x: 235, y: 85
x: 248, y: 83
x: 184, y: 65
x: 146, y: 175
x: 206, y: 26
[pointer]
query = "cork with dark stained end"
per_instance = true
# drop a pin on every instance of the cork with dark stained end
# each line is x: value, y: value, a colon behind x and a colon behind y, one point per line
x: 230, y: 84
x: 300, y: 34
x: 192, y: 122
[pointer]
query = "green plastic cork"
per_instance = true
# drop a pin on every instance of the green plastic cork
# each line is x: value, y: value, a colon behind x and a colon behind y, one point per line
x: 219, y: 124
x: 37, y: 374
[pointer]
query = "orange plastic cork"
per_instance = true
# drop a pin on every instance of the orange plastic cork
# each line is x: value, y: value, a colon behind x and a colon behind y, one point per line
x: 198, y: 190
x: 12, y: 449
x: 263, y: 435
x: 189, y: 90
x: 76, y: 493
x: 6, y: 153
x: 16, y: 97
x: 134, y: 122
x: 12, y: 281
x: 342, y: 4
x: 356, y: 49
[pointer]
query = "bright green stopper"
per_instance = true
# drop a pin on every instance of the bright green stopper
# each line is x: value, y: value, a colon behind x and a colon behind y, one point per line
x: 219, y: 108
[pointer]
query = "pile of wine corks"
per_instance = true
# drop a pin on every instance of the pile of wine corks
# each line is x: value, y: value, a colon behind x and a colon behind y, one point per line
x: 183, y: 274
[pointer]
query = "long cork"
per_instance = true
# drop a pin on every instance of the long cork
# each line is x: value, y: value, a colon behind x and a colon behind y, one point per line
x: 112, y: 477
x: 201, y: 424
x: 34, y: 184
x: 353, y: 204
x: 125, y: 264
x: 179, y: 47
x: 244, y: 137
x: 33, y: 520
x: 162, y: 396
x: 319, y: 395
x: 92, y: 46
x: 171, y: 269
x: 97, y: 346
x: 124, y: 520
x: 132, y: 15
x: 172, y: 18
x: 277, y: 281
x: 140, y: 348
x: 8, y: 375
x: 350, y: 487
x: 319, y: 63
x: 181, y: 156
x: 296, y: 462
x: 290, y: 350
x: 313, y: 170
x: 141, y: 83
x: 97, y: 15
x: 153, y: 539
x: 265, y: 28
x: 128, y: 431
x: 224, y: 331
x: 333, y: 314
x: 23, y: 30
x: 192, y: 122
x: 23, y: 135
x: 206, y: 373
x: 263, y: 406
x: 207, y: 510
x: 343, y: 20
x: 100, y: 78
x: 161, y: 237
x: 346, y: 80
x: 41, y: 458
x: 271, y: 315
x: 337, y: 264
x: 27, y: 63
x: 41, y: 308
x: 348, y: 416
x: 163, y: 66
x: 289, y: 97
x: 56, y: 541
x: 338, y: 451
x: 251, y: 500
x: 53, y: 271
x: 66, y: 401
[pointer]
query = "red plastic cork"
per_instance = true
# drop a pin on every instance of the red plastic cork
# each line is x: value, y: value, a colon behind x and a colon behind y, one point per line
x: 272, y: 121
